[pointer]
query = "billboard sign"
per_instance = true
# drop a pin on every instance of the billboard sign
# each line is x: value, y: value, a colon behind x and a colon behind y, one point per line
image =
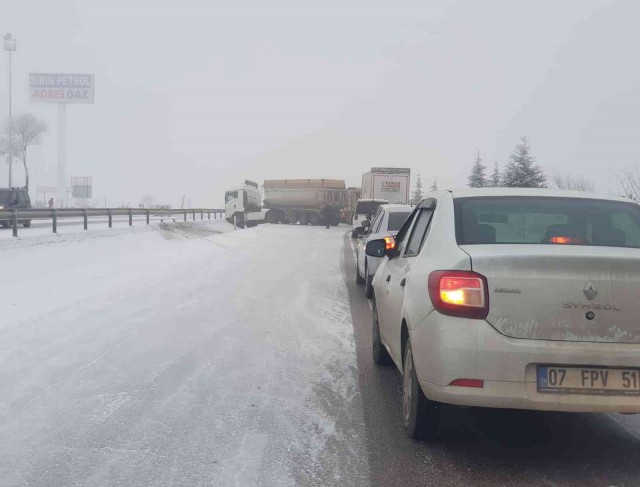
x: 81, y: 187
x: 61, y: 88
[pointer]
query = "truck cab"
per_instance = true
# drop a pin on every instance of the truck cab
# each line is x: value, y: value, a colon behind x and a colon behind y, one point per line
x: 240, y: 201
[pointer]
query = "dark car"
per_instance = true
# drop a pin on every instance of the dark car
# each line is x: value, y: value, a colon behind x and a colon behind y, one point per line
x: 14, y: 198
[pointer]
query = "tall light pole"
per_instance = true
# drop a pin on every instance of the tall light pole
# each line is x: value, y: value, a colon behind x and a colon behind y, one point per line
x: 10, y: 46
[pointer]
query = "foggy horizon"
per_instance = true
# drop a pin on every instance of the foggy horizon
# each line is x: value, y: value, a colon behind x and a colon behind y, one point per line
x: 193, y: 97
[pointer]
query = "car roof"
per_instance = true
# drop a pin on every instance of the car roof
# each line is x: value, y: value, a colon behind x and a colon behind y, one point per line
x: 541, y: 192
x: 393, y: 207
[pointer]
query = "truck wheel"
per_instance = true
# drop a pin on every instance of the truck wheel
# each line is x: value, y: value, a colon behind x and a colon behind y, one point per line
x: 293, y: 218
x: 26, y: 223
x: 239, y: 219
x: 272, y: 217
x: 304, y: 219
x: 314, y: 219
x: 335, y: 221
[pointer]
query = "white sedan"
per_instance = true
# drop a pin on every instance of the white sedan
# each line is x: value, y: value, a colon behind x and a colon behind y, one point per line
x: 511, y: 298
x: 385, y: 224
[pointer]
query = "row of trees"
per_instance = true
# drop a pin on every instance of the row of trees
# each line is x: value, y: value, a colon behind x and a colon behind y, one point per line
x: 16, y: 137
x: 418, y: 194
x: 520, y: 172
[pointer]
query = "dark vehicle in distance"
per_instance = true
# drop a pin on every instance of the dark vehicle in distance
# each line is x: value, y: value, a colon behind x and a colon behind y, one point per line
x: 14, y: 198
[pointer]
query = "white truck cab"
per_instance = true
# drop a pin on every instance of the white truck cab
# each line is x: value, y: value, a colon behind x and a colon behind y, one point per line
x: 365, y: 209
x: 243, y: 205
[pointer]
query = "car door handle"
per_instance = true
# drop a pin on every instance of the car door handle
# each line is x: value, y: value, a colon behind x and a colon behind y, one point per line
x: 388, y: 278
x: 403, y: 282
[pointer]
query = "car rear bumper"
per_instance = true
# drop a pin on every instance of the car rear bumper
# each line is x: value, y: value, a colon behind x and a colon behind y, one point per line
x: 446, y: 349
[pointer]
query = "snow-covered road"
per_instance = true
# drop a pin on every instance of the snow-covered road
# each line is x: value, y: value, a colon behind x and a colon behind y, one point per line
x: 147, y: 358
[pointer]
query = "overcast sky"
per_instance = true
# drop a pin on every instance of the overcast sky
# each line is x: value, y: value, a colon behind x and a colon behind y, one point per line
x: 193, y: 96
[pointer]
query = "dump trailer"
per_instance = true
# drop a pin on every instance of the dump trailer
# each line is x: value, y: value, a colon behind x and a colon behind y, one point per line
x: 387, y: 183
x: 304, y: 201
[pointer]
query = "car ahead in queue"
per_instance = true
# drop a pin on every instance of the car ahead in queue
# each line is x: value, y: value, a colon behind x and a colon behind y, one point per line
x: 385, y: 224
x: 14, y: 199
x: 365, y: 209
x: 511, y: 298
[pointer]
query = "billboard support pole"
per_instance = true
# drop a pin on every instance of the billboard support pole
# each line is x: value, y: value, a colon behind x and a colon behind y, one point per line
x: 62, y: 151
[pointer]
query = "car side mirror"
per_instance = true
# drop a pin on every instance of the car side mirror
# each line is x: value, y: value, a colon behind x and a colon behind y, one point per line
x: 366, y: 223
x: 376, y: 248
x: 359, y: 231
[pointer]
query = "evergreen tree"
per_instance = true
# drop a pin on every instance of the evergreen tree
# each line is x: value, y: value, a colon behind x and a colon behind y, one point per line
x: 417, y: 195
x: 521, y: 171
x: 477, y: 178
x: 495, y: 179
x: 434, y: 185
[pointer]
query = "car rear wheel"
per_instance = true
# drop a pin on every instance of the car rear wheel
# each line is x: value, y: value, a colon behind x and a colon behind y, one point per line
x: 380, y: 354
x: 359, y: 280
x: 422, y: 417
x: 368, y: 282
x: 26, y: 223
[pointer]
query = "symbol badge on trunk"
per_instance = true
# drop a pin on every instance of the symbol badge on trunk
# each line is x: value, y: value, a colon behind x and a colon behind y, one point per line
x: 590, y: 291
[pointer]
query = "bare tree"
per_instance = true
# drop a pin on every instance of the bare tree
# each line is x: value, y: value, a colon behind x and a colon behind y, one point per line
x: 25, y: 131
x: 577, y: 182
x: 8, y: 149
x: 629, y: 181
x: 147, y: 201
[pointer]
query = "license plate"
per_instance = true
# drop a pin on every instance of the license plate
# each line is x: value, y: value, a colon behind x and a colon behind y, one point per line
x: 588, y: 380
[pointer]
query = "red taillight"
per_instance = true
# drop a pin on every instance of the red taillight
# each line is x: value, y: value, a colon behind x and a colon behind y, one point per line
x: 468, y: 383
x: 390, y: 243
x: 566, y: 240
x: 459, y: 293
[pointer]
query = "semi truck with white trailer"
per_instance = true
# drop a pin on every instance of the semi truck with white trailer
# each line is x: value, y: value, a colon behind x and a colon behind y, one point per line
x: 392, y: 184
x: 304, y: 201
x: 380, y: 185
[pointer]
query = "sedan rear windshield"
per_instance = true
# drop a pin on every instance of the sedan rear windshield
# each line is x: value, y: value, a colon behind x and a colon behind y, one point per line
x: 396, y: 220
x: 367, y: 207
x: 5, y: 196
x: 543, y: 220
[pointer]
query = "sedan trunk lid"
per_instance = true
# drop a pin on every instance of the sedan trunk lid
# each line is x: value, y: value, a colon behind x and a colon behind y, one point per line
x: 560, y: 292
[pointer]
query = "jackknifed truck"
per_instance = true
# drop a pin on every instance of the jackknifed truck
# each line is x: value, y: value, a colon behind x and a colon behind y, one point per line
x: 303, y: 201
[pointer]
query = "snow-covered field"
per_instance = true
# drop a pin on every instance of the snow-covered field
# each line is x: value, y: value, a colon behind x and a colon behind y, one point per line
x: 177, y: 355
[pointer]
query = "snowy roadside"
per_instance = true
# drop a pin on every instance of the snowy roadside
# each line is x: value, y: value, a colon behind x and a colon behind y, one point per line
x: 44, y: 236
x: 154, y: 358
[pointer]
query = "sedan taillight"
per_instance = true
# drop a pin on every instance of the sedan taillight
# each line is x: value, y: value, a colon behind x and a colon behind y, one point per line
x: 459, y: 293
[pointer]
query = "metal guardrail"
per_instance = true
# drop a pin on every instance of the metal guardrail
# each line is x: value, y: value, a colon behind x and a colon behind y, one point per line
x: 16, y: 217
